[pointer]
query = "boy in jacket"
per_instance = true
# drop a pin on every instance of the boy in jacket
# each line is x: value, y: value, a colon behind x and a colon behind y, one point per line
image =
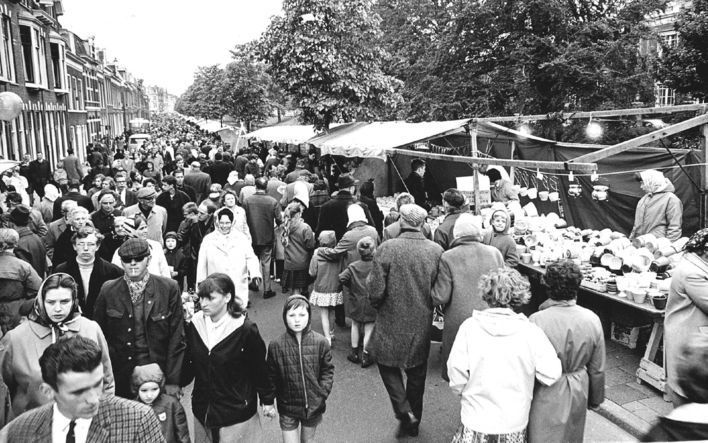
x: 300, y: 371
x: 148, y: 382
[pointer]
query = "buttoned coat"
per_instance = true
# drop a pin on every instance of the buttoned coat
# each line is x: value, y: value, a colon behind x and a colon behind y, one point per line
x: 56, y: 228
x: 400, y: 286
x: 262, y: 213
x: 156, y: 220
x: 686, y: 311
x: 102, y: 272
x: 164, y: 328
x: 118, y: 421
x: 455, y: 287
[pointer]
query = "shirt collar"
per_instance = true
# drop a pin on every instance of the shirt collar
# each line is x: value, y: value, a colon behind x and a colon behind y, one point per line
x: 59, y: 419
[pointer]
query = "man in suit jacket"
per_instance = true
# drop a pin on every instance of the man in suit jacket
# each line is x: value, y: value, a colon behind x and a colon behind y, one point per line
x: 200, y: 181
x: 143, y: 323
x: 73, y: 375
x: 89, y: 270
x: 125, y: 195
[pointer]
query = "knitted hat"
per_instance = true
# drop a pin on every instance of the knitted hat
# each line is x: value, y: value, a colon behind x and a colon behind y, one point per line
x: 466, y: 225
x: 145, y: 374
x: 413, y: 214
x: 366, y: 247
x: 355, y: 213
x: 171, y: 234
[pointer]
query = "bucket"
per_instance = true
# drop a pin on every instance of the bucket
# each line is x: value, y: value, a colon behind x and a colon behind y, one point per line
x: 659, y: 301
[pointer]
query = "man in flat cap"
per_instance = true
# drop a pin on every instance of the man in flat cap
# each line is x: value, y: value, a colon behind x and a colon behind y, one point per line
x: 400, y: 286
x: 141, y: 316
x: 156, y: 215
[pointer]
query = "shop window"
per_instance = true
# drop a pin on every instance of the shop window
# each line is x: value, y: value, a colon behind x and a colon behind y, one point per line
x: 7, y: 59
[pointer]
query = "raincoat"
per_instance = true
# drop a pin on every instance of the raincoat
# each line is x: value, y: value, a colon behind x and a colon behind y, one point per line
x: 659, y: 212
x: 21, y: 348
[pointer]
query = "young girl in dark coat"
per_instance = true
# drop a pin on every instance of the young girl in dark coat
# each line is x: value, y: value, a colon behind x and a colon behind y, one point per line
x: 176, y: 259
x: 299, y: 242
x: 356, y: 298
x: 500, y: 238
x: 148, y: 382
x: 301, y: 372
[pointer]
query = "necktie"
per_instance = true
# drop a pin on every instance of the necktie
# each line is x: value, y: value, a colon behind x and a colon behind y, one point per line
x: 70, y: 436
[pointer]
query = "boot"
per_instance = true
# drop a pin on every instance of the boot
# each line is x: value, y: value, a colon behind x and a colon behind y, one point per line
x: 366, y: 359
x: 354, y: 356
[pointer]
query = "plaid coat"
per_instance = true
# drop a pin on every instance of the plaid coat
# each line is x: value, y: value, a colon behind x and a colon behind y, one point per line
x: 117, y: 421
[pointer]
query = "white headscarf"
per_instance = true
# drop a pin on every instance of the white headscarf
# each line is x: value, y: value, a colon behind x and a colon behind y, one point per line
x: 654, y: 181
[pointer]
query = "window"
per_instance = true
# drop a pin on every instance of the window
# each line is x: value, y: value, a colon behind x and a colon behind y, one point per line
x: 665, y: 96
x: 7, y: 58
x: 34, y: 54
x: 58, y: 52
x: 668, y: 40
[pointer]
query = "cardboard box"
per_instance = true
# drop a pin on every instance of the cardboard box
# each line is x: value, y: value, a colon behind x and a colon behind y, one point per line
x: 628, y: 336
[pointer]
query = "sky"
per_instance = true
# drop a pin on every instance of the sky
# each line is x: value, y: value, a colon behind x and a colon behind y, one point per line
x: 164, y: 41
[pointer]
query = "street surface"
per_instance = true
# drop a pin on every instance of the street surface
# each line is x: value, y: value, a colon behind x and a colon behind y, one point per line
x: 358, y: 410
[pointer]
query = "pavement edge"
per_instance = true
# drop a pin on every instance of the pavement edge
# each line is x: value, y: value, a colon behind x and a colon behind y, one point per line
x: 623, y: 418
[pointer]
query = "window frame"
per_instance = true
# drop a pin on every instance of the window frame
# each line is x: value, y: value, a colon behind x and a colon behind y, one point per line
x: 63, y: 86
x: 38, y: 62
x: 7, y: 52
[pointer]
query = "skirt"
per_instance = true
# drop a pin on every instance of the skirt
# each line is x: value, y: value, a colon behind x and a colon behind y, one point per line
x: 464, y: 435
x: 326, y: 299
x: 295, y: 280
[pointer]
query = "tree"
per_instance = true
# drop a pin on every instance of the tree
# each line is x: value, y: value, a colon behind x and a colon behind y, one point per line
x: 203, y: 97
x: 326, y: 55
x: 501, y: 57
x: 685, y: 66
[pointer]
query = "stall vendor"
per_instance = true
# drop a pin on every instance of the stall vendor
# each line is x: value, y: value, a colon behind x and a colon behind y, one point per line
x: 659, y: 212
x: 501, y: 190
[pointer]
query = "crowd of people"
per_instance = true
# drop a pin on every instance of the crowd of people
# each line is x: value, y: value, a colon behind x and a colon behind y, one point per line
x: 128, y: 278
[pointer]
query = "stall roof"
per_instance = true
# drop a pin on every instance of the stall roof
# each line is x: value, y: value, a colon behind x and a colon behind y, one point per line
x: 291, y: 134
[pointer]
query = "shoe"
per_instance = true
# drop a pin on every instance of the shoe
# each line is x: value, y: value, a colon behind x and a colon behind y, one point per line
x: 248, y: 305
x: 411, y: 424
x: 268, y: 294
x: 354, y: 356
x: 366, y: 360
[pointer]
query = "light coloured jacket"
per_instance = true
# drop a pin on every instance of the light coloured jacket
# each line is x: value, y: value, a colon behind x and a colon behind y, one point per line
x: 495, y: 360
x: 686, y: 311
x: 21, y: 348
x: 660, y: 213
x: 156, y: 221
x: 231, y: 254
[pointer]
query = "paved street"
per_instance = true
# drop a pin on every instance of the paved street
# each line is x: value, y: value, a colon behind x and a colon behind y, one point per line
x: 359, y: 410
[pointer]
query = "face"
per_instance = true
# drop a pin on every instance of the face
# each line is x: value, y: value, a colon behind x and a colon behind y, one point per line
x: 86, y: 248
x: 147, y: 202
x: 58, y: 303
x: 97, y: 182
x: 166, y: 187
x: 179, y: 178
x: 203, y: 213
x: 148, y: 392
x: 108, y: 204
x: 215, y: 304
x: 229, y: 200
x: 105, y: 184
x: 136, y: 269
x: 40, y: 156
x: 119, y: 229
x: 224, y: 224
x: 297, y: 319
x: 171, y: 243
x: 142, y: 231
x: 120, y: 183
x: 79, y: 219
x: 499, y: 222
x: 421, y: 170
x: 78, y: 393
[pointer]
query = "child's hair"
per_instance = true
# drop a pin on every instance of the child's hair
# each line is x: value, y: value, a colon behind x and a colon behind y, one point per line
x: 327, y: 239
x: 366, y: 247
x: 293, y: 209
x: 295, y: 302
x: 145, y: 374
x: 169, y: 235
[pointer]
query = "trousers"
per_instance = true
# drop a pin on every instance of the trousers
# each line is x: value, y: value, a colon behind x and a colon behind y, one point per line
x: 406, y: 397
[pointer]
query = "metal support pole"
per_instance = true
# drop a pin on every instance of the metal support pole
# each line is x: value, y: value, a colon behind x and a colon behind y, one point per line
x: 473, y: 144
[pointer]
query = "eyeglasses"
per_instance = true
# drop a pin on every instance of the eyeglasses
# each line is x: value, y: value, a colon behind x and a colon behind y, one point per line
x: 132, y: 259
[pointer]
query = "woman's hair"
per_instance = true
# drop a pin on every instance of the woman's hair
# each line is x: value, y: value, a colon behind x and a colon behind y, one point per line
x: 225, y: 211
x: 327, y: 239
x: 228, y: 192
x: 111, y: 182
x: 563, y: 280
x: 504, y: 288
x: 59, y: 280
x: 99, y: 177
x: 692, y: 368
x: 9, y: 238
x: 493, y: 175
x: 293, y: 209
x: 367, y: 188
x: 222, y: 284
x: 404, y: 198
x: 191, y: 208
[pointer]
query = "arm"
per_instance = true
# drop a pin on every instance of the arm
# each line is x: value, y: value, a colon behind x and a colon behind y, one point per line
x: 273, y: 373
x: 458, y: 362
x: 334, y: 254
x: 376, y: 281
x: 313, y: 265
x: 176, y: 345
x: 147, y: 428
x: 309, y: 237
x: 442, y: 289
x: 278, y: 216
x: 696, y: 287
x: 511, y: 257
x: 40, y: 227
x: 109, y: 386
x: 181, y: 427
x: 6, y: 362
x: 252, y: 263
x: 596, y: 369
x: 548, y: 366
x: 159, y: 255
x: 326, y: 378
x: 674, y: 218
x: 202, y: 263
x: 256, y: 355
x: 345, y: 277
x: 32, y: 283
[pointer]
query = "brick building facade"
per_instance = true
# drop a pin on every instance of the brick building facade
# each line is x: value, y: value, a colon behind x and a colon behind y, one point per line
x: 71, y: 95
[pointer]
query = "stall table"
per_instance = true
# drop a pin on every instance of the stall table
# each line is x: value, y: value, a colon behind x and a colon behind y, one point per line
x: 648, y: 371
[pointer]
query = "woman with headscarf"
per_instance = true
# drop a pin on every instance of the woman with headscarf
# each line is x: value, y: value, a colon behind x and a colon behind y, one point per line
x: 56, y: 313
x: 659, y: 211
x: 686, y: 309
x: 459, y: 271
x: 229, y: 251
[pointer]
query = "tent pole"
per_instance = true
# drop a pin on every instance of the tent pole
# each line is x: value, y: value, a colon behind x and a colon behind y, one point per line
x: 475, y: 166
x: 512, y: 169
x: 703, y: 204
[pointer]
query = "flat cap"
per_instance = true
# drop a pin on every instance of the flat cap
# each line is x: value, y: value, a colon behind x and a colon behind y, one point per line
x: 413, y: 214
x: 137, y: 248
x: 146, y: 192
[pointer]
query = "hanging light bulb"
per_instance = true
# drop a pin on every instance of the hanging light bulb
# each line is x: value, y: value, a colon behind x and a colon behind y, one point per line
x: 593, y: 130
x: 571, y: 177
x: 539, y: 175
x: 594, y: 177
x: 524, y: 129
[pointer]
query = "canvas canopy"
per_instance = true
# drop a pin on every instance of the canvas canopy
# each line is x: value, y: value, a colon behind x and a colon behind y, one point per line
x: 290, y: 134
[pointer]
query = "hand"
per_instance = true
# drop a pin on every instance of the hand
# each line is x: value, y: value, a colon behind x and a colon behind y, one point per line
x: 173, y: 390
x: 256, y: 282
x: 269, y: 411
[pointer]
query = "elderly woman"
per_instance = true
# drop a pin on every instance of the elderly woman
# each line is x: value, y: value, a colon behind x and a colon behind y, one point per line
x: 137, y: 227
x: 228, y: 251
x: 558, y: 411
x: 688, y: 422
x: 659, y: 211
x: 459, y: 272
x: 230, y: 200
x: 687, y: 308
x: 63, y: 249
x: 56, y: 313
x: 497, y: 357
x: 226, y: 358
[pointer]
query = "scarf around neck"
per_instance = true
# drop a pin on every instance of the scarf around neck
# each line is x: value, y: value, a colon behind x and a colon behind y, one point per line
x: 137, y: 288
